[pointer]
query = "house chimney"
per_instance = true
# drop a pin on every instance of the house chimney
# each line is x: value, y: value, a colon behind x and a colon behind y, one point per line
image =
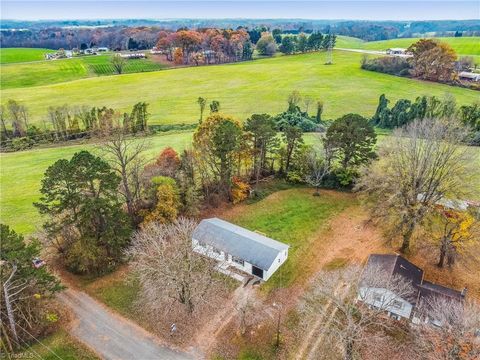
x: 464, y: 292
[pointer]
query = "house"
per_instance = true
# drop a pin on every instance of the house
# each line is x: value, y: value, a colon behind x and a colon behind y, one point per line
x: 470, y: 76
x: 392, y: 265
x: 397, y: 51
x: 102, y: 49
x: 398, y: 307
x: 245, y: 250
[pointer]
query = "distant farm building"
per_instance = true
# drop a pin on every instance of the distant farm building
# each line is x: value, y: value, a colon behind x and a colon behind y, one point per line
x: 470, y: 76
x: 397, y: 51
x: 245, y: 250
x: 133, y: 56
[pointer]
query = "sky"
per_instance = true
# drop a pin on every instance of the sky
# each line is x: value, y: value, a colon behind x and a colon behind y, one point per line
x: 313, y: 9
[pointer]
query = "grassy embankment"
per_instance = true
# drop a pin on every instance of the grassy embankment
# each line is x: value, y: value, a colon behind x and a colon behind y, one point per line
x: 260, y: 86
x: 59, y: 345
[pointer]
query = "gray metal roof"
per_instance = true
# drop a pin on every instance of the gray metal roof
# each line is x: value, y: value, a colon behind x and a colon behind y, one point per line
x: 247, y: 245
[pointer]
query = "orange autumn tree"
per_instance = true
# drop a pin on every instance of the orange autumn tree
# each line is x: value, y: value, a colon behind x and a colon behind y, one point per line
x: 168, y: 161
x: 433, y: 60
x: 167, y: 202
x: 240, y: 190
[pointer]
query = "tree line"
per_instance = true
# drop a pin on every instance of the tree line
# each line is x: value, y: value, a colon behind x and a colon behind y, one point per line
x: 65, y: 122
x: 404, y: 112
x: 205, y: 46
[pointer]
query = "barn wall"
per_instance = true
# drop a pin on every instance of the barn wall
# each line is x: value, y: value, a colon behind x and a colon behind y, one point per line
x: 279, y: 260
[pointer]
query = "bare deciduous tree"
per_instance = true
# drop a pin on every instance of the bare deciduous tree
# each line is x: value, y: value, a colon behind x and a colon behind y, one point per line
x: 452, y: 327
x: 168, y: 268
x: 317, y: 168
x: 421, y: 164
x: 126, y: 157
x: 338, y: 300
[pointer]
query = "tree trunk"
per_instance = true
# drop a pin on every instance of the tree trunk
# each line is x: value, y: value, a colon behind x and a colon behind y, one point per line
x: 407, y: 236
x: 348, y: 350
x: 8, y: 305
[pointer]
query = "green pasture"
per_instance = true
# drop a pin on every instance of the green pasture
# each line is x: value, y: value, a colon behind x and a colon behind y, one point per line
x: 47, y: 72
x: 21, y: 173
x: 464, y: 46
x: 17, y: 55
x: 242, y: 88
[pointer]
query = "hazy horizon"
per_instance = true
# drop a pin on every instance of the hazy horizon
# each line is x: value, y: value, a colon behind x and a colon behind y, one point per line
x: 370, y: 10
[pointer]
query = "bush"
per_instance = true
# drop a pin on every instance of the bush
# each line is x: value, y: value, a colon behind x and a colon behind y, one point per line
x: 393, y: 65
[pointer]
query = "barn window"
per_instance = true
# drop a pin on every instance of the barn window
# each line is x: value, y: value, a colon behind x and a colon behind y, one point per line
x: 238, y: 260
x: 397, y: 304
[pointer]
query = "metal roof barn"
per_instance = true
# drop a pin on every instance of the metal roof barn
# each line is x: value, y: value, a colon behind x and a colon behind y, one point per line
x: 254, y: 248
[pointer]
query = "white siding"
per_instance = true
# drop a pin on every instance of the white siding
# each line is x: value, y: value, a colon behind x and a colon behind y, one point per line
x: 385, y: 299
x: 221, y: 256
x: 279, y: 260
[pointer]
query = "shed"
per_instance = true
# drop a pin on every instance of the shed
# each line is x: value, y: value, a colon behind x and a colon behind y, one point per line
x: 469, y: 76
x: 243, y: 249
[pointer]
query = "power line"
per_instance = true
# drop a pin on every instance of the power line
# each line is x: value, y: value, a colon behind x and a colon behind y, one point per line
x: 45, y: 346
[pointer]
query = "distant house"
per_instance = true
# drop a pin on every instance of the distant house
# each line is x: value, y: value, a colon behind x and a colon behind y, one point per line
x: 397, y: 51
x: 470, y: 76
x: 133, y: 56
x: 245, y: 250
x: 398, y: 307
x: 102, y: 49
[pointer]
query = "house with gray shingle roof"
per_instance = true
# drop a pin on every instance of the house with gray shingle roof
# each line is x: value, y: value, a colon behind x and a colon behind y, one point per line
x: 246, y: 250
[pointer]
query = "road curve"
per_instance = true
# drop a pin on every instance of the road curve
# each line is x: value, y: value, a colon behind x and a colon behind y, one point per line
x: 111, y: 336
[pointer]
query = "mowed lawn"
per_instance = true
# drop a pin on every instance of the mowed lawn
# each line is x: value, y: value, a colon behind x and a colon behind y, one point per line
x: 22, y: 172
x: 260, y: 86
x: 16, y: 55
x: 294, y: 217
x: 19, y: 75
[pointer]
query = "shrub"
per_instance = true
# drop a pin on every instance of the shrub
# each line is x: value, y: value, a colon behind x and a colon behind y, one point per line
x: 240, y: 190
x: 393, y: 65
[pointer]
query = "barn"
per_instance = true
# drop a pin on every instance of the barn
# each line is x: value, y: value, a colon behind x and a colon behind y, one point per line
x: 246, y: 250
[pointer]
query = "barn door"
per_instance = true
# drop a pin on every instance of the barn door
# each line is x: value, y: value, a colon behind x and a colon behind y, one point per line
x: 257, y: 272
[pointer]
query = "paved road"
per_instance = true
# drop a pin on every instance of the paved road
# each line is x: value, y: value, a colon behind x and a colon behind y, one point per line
x: 112, y: 336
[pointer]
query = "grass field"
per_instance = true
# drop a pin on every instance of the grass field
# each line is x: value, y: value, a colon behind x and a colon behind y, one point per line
x: 16, y: 55
x: 464, y: 46
x: 22, y: 172
x: 293, y: 217
x: 20, y: 75
x: 242, y: 88
x: 60, y: 345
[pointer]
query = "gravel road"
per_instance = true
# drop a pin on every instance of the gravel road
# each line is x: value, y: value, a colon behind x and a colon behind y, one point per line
x: 111, y: 336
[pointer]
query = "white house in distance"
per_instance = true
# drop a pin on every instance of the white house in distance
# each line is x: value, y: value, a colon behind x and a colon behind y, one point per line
x: 246, y: 250
x: 398, y: 307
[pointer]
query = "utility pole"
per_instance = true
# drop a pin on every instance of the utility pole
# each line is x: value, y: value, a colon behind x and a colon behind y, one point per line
x: 330, y: 49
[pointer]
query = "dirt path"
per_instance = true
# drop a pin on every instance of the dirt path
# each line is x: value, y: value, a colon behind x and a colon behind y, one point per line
x: 206, y: 336
x: 111, y: 336
x: 350, y: 240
